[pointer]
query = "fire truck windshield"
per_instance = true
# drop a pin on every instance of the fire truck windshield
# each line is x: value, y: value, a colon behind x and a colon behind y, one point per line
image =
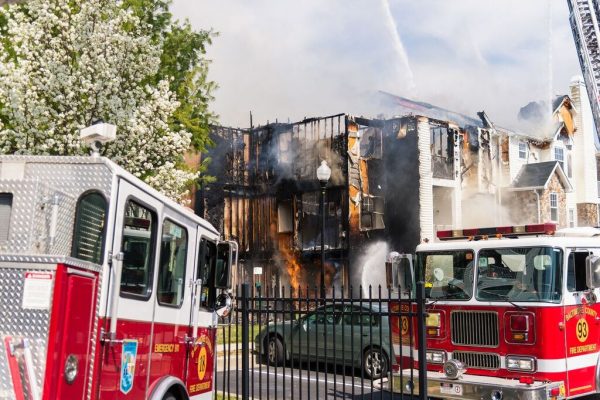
x: 519, y: 274
x: 448, y: 274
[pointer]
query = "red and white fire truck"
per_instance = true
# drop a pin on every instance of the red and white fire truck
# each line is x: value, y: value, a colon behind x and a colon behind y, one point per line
x: 512, y: 313
x: 108, y: 289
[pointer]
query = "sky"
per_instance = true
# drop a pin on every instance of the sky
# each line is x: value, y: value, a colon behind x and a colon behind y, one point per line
x: 288, y: 59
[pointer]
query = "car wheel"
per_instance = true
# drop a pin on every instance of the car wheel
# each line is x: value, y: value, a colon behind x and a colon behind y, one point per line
x: 375, y: 363
x: 274, y: 351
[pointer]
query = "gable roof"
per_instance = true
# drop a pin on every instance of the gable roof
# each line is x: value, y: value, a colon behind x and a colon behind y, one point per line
x: 408, y: 106
x: 537, y: 176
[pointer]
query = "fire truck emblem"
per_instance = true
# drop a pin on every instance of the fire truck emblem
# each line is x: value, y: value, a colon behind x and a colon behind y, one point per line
x: 128, y: 358
x: 205, y: 349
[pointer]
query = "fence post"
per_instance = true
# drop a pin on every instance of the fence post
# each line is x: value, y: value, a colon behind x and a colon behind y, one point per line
x: 245, y: 342
x: 422, y: 340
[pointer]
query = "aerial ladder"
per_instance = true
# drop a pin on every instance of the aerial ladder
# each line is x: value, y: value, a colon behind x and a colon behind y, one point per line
x: 584, y: 15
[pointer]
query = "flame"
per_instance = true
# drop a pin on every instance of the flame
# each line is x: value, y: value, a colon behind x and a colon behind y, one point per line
x: 292, y: 265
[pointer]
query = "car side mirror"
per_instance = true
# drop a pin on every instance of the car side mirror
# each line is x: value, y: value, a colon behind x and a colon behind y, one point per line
x: 223, y: 305
x: 592, y: 271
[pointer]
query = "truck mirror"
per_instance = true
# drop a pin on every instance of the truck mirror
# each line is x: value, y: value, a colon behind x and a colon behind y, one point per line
x: 399, y: 271
x: 592, y: 271
x: 226, y: 263
x: 223, y: 266
x: 391, y: 268
x: 405, y: 273
x: 223, y: 305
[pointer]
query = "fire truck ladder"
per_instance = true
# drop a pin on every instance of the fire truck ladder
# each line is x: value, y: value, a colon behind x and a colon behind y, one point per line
x: 584, y: 16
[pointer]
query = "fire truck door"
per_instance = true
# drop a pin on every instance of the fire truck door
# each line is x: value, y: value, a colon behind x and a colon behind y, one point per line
x: 581, y: 327
x: 202, y: 348
x: 132, y: 297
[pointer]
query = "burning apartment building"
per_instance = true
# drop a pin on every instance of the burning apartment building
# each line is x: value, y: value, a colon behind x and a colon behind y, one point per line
x: 393, y: 182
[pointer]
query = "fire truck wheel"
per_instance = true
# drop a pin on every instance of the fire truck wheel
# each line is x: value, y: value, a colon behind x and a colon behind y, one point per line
x: 169, y: 396
x: 274, y: 351
x: 375, y: 363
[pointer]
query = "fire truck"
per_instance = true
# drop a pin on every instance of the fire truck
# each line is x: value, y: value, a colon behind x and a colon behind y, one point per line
x: 511, y: 313
x: 108, y: 289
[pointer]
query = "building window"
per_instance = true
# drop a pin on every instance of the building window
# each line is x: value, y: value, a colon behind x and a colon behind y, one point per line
x: 522, y: 150
x: 571, y: 217
x: 554, y: 207
x: 559, y: 155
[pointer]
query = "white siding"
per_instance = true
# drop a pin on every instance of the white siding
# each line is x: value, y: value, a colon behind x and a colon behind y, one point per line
x: 584, y: 148
x: 515, y: 163
x: 426, y: 180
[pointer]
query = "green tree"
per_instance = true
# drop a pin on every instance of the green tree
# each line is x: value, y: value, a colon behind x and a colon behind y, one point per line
x: 183, y: 59
x: 65, y: 63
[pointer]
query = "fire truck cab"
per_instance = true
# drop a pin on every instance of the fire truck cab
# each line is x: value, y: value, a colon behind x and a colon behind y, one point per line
x: 108, y: 289
x: 512, y: 312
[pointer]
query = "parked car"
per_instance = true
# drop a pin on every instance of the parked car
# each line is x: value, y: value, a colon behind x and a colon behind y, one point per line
x: 349, y: 335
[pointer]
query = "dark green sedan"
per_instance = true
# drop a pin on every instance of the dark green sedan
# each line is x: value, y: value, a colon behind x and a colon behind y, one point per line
x: 343, y: 334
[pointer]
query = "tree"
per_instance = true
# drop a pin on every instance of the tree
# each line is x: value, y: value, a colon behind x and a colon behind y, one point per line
x: 64, y: 64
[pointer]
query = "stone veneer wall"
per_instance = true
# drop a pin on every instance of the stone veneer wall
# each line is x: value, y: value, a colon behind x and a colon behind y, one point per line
x: 587, y: 214
x: 523, y: 206
x: 554, y: 187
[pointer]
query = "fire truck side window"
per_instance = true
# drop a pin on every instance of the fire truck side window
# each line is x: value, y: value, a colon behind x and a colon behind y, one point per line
x: 138, y: 249
x: 207, y: 260
x: 447, y: 274
x: 576, y: 271
x: 88, y: 238
x: 171, y: 273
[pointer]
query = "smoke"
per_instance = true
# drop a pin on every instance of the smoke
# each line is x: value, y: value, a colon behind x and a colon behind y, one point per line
x: 482, y: 210
x: 371, y: 268
x: 535, y: 118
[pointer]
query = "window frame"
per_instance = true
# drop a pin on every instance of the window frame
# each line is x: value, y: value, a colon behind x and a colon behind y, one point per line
x: 571, y: 257
x: 104, y: 228
x: 12, y: 198
x: 571, y: 217
x: 550, y: 198
x: 152, y: 261
x: 211, y: 295
x: 185, y: 263
x: 523, y: 150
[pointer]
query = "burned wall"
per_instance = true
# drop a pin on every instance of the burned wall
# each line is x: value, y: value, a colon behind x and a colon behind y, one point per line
x: 383, y: 195
x: 402, y: 181
x: 261, y: 190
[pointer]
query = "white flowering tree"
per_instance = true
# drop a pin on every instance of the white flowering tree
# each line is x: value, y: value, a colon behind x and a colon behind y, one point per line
x: 65, y: 64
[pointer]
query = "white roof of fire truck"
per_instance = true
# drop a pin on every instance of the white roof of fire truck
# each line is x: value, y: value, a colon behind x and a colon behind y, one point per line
x: 536, y: 235
x: 116, y: 171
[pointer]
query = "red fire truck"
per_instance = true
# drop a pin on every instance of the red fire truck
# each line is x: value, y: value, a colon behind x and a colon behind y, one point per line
x: 108, y: 289
x: 512, y: 313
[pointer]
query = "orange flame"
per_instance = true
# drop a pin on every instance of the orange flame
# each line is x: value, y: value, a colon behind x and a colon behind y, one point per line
x: 292, y: 265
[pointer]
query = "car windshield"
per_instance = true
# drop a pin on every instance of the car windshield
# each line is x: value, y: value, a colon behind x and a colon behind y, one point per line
x: 447, y: 274
x: 519, y: 274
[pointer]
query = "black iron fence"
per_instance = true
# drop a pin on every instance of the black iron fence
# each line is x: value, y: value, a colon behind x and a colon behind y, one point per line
x: 295, y: 344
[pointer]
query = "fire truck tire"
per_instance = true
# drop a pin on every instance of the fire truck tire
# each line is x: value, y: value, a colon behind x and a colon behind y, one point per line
x: 169, y: 396
x: 274, y: 351
x: 375, y: 363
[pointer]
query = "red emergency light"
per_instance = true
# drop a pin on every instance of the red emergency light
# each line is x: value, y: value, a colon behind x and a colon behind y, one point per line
x: 547, y: 228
